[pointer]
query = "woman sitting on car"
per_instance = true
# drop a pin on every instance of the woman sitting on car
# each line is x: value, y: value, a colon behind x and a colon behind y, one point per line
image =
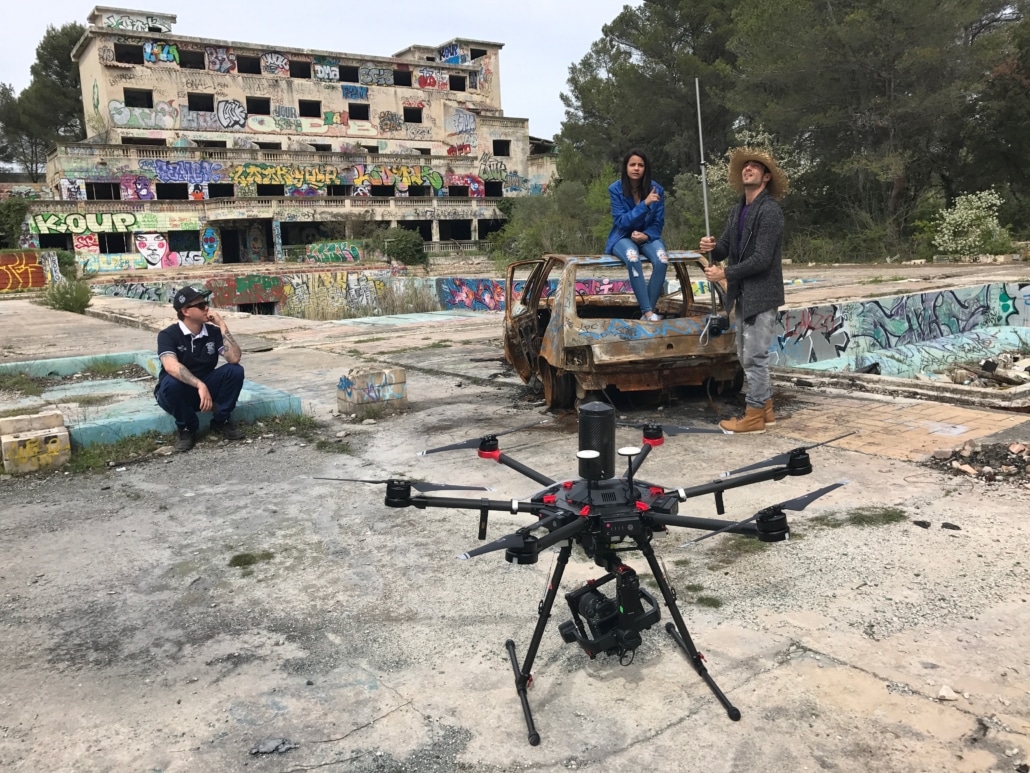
x: 638, y: 216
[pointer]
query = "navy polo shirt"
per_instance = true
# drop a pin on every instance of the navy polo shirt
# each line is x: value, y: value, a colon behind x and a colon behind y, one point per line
x: 197, y: 353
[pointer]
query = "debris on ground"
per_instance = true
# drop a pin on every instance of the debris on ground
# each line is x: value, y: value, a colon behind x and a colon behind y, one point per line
x: 991, y: 463
x: 274, y: 746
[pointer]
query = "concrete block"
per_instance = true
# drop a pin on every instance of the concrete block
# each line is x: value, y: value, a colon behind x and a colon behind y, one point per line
x: 12, y: 425
x: 30, y: 451
x: 363, y: 387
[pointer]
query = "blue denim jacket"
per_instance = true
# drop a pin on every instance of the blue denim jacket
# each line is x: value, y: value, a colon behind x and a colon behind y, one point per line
x: 628, y: 217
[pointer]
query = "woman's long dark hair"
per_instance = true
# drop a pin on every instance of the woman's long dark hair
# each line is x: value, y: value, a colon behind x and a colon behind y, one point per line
x: 645, y: 181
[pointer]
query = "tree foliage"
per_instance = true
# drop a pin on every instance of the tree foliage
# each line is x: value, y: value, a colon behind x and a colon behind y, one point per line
x: 49, y: 109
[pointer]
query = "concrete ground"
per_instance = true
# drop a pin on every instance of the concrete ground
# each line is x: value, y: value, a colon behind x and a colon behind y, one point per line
x: 130, y: 642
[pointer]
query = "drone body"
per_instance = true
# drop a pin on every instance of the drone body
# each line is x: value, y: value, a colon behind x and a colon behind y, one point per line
x: 607, y: 516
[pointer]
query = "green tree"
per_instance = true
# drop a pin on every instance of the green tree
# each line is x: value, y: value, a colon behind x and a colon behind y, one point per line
x: 12, y: 215
x: 636, y: 88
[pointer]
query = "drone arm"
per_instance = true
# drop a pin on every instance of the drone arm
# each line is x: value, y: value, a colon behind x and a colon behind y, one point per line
x: 706, y: 524
x: 718, y: 486
x: 568, y: 531
x: 520, y: 468
x: 509, y: 506
x: 638, y: 460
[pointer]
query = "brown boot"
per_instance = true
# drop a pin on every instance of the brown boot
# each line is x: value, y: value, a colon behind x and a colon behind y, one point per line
x: 770, y: 417
x: 753, y: 421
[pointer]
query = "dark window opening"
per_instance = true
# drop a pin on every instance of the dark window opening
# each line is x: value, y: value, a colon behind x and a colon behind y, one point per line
x: 371, y: 148
x: 413, y: 115
x: 458, y: 190
x: 192, y: 60
x: 184, y: 241
x: 493, y: 188
x: 339, y: 190
x: 300, y: 69
x: 357, y: 112
x: 477, y: 53
x: 269, y: 145
x: 264, y: 308
x: 248, y: 65
x: 139, y: 98
x: 430, y: 58
x: 502, y: 147
x: 205, y: 103
x: 127, y: 54
x: 402, y: 77
x: 56, y: 241
x: 271, y: 190
x: 221, y: 190
x: 487, y: 227
x: 259, y: 106
x: 322, y: 147
x: 381, y: 190
x: 144, y: 141
x: 348, y: 73
x: 459, y: 230
x: 178, y: 191
x: 211, y: 143
x: 103, y: 191
x: 423, y: 227
x: 309, y: 108
x: 457, y: 82
x: 420, y: 190
x: 425, y: 151
x: 155, y: 29
x: 117, y: 243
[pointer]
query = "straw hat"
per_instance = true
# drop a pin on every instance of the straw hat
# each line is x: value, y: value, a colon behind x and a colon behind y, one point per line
x: 778, y: 185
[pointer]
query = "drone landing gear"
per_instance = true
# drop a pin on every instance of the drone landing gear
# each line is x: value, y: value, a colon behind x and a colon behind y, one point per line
x: 613, y: 633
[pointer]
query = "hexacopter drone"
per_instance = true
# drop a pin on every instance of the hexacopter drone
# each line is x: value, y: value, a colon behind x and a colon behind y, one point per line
x: 606, y: 516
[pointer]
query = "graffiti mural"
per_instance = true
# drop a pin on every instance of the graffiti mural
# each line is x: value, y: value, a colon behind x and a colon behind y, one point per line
x: 373, y: 75
x: 475, y: 294
x: 20, y: 271
x: 401, y: 177
x: 390, y: 122
x: 138, y: 23
x: 25, y: 191
x: 811, y: 334
x: 276, y: 174
x: 182, y: 171
x: 209, y: 245
x: 73, y: 190
x: 154, y: 249
x: 432, y: 79
x: 355, y: 93
x: 452, y: 54
x: 888, y: 322
x: 163, y: 115
x: 155, y: 51
x: 221, y: 60
x: 333, y: 252
x: 75, y: 223
x: 325, y: 69
x: 275, y: 64
x: 475, y: 184
x: 136, y: 188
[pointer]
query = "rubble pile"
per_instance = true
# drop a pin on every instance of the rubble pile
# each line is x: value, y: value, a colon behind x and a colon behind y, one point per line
x: 996, y: 462
x: 1008, y: 369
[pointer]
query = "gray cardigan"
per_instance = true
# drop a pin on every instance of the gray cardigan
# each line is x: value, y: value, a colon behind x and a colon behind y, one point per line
x: 754, y: 273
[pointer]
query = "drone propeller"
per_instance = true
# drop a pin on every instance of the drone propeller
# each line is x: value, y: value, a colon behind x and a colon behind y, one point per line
x: 475, y: 442
x: 514, y: 541
x: 775, y: 461
x: 419, y: 486
x: 797, y: 504
x: 672, y: 430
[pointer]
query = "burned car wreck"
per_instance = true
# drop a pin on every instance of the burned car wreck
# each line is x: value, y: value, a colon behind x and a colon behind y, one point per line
x: 572, y: 322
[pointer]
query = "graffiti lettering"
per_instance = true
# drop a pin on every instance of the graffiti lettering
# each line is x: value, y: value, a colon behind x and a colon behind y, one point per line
x: 285, y: 111
x: 459, y: 150
x: 231, y: 114
x: 333, y: 252
x: 138, y: 23
x: 220, y: 59
x: 400, y: 176
x: 432, y: 79
x: 355, y: 93
x: 326, y: 69
x: 162, y: 116
x: 75, y: 223
x: 473, y: 183
x: 390, y: 121
x: 183, y: 171
x: 335, y: 118
x: 371, y: 75
x: 275, y: 64
x: 461, y: 122
x: 272, y: 174
x: 154, y: 52
x: 451, y: 54
x: 491, y: 168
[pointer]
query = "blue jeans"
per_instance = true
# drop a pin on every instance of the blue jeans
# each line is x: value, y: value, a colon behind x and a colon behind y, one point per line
x: 183, y: 401
x: 754, y: 339
x: 629, y: 252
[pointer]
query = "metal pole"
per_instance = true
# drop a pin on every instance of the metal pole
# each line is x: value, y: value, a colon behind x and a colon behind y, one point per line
x: 701, y: 142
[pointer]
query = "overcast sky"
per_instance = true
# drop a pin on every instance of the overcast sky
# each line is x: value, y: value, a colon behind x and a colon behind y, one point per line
x: 541, y: 37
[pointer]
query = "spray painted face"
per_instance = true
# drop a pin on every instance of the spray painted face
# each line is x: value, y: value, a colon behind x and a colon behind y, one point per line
x: 153, y: 248
x: 209, y: 243
x: 142, y: 186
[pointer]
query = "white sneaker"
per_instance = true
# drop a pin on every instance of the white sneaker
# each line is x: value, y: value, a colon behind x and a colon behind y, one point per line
x: 651, y: 317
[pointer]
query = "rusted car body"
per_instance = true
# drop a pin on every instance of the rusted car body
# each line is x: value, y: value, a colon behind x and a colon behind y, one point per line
x: 574, y: 323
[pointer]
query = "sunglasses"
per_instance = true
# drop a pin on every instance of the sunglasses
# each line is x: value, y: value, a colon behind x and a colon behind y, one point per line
x: 201, y: 306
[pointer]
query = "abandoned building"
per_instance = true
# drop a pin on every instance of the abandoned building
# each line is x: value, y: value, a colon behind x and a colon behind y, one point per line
x: 205, y: 151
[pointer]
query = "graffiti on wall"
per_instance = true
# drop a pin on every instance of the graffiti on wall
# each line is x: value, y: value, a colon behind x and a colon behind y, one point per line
x: 355, y: 93
x: 136, y: 187
x: 182, y: 171
x: 157, y: 51
x: 86, y: 243
x: 401, y: 177
x: 475, y: 294
x: 333, y: 252
x: 292, y: 176
x: 20, y: 271
x: 154, y: 249
x: 373, y: 75
x: 221, y: 60
x: 432, y: 79
x: 453, y: 54
x: 25, y: 191
x: 76, y: 223
x: 275, y: 64
x: 137, y: 23
x: 325, y: 69
x: 162, y: 115
x: 811, y: 334
x: 390, y: 121
x: 888, y: 322
x: 73, y: 190
x: 461, y: 127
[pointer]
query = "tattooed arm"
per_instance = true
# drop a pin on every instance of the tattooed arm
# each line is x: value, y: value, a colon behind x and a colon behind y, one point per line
x: 175, y: 369
x: 231, y: 351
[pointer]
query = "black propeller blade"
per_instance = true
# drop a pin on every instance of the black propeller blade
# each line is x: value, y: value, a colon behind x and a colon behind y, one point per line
x: 515, y: 540
x: 797, y: 504
x: 672, y: 430
x: 474, y: 442
x: 780, y: 459
x: 419, y: 486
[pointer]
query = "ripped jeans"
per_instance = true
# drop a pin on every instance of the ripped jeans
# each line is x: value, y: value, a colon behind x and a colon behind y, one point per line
x: 629, y: 252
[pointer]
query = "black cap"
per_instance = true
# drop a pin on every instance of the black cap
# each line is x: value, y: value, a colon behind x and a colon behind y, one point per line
x: 187, y: 296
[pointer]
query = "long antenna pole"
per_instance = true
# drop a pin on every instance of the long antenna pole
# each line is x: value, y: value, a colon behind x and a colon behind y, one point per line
x: 704, y: 180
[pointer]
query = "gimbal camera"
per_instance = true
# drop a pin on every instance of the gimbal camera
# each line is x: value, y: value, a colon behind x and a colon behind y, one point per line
x: 608, y: 515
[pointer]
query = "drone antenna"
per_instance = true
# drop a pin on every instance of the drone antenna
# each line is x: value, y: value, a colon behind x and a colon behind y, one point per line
x: 597, y: 433
x: 590, y: 469
x: 629, y: 452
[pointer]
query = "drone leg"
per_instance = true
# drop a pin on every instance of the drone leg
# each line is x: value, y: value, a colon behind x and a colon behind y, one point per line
x: 524, y: 675
x: 682, y: 636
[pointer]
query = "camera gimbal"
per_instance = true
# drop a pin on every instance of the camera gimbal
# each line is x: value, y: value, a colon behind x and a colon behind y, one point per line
x: 607, y: 516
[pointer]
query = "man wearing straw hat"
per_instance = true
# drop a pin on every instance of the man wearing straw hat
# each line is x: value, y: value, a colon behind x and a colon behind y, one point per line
x: 752, y: 245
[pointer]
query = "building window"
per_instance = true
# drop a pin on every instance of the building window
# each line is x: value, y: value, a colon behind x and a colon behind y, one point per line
x: 127, y: 54
x: 172, y: 191
x: 477, y: 53
x: 211, y: 143
x: 205, y: 103
x: 221, y: 190
x: 493, y: 188
x: 103, y: 191
x: 402, y: 77
x: 309, y: 108
x: 322, y: 147
x: 420, y: 190
x: 184, y: 241
x: 269, y: 145
x: 425, y: 151
x: 139, y: 98
x: 381, y: 190
x: 114, y: 243
x: 348, y: 73
x: 259, y: 106
x: 357, y: 112
x: 56, y: 242
x: 413, y: 115
x: 339, y: 190
x: 248, y: 65
x: 271, y: 190
x: 458, y: 190
x: 374, y: 149
x: 457, y: 82
x: 502, y: 147
x: 300, y: 69
x: 192, y: 60
x: 144, y: 141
